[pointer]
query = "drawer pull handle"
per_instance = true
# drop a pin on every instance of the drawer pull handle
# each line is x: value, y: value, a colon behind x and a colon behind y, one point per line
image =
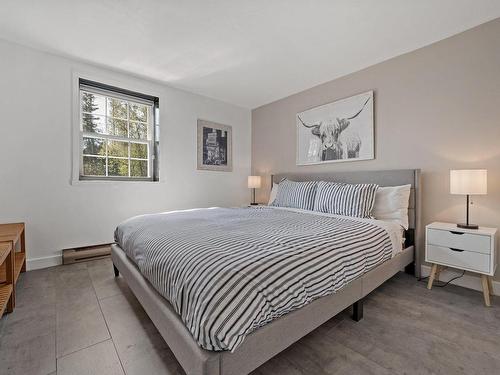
x: 458, y: 250
x: 460, y: 233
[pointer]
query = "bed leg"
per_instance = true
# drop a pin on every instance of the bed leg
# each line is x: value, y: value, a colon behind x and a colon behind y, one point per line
x: 410, y: 269
x: 357, y: 310
x: 117, y: 273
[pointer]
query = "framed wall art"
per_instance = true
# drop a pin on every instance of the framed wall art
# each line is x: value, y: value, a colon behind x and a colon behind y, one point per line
x: 214, y: 146
x: 335, y: 132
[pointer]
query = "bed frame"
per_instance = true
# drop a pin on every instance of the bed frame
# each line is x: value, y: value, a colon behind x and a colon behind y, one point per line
x: 271, y: 339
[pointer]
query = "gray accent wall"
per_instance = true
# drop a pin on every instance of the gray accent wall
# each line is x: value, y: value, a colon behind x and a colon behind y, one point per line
x: 437, y: 108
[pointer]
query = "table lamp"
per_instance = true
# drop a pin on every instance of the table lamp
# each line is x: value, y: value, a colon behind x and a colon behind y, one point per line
x: 254, y: 182
x: 468, y: 182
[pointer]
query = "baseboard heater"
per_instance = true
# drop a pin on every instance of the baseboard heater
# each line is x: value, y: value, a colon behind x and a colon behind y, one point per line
x: 87, y: 253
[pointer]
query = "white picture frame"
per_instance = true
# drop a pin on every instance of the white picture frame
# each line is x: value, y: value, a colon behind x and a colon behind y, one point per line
x: 339, y: 131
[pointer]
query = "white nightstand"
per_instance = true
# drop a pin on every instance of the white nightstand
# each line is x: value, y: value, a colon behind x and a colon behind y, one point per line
x: 473, y: 250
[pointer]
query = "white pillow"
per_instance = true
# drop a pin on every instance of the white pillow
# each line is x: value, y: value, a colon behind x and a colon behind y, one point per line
x: 274, y: 193
x: 391, y: 204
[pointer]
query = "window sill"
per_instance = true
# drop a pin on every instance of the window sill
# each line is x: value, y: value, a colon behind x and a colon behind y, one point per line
x: 78, y: 182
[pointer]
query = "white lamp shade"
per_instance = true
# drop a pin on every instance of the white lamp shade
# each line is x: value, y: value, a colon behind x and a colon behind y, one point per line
x: 468, y: 181
x: 254, y: 182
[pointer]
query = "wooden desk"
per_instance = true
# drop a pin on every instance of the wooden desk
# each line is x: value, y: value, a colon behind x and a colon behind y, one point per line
x: 14, y: 235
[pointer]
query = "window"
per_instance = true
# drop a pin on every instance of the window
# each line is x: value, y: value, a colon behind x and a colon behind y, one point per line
x: 118, y: 134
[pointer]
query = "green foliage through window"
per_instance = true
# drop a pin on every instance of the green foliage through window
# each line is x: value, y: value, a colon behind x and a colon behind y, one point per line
x: 115, y: 139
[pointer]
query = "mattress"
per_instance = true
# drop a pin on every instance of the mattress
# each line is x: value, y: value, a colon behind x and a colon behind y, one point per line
x: 229, y: 271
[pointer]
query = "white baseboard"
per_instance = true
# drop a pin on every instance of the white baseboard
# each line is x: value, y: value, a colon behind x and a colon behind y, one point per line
x: 467, y: 281
x: 43, y: 262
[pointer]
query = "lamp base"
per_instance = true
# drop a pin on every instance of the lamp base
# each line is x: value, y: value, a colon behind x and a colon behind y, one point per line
x: 468, y: 226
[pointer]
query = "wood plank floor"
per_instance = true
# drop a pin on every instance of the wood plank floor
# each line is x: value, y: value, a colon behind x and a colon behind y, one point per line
x: 79, y: 319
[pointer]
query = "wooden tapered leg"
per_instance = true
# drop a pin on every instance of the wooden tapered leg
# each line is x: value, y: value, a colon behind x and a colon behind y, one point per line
x: 432, y: 276
x: 490, y: 284
x: 438, y: 272
x: 486, y: 290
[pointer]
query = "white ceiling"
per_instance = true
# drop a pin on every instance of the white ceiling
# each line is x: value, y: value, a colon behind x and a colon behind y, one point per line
x: 248, y: 52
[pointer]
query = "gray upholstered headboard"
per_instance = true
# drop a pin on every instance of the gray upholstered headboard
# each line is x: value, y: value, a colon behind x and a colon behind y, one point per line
x: 382, y: 178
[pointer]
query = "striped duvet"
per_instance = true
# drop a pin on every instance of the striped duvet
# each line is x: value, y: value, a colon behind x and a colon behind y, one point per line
x: 227, y: 272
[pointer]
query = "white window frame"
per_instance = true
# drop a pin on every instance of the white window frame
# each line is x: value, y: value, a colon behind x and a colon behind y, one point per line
x: 106, y: 137
x: 78, y: 134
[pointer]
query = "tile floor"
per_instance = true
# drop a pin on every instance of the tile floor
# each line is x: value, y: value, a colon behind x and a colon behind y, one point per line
x: 79, y: 319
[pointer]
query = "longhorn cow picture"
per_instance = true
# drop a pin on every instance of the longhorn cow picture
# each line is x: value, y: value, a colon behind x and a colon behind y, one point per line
x: 338, y: 131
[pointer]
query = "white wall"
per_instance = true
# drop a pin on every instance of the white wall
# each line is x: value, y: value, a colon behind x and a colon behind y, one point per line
x: 36, y: 156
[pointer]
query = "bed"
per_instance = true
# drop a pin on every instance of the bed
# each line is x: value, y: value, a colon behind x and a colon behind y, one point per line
x: 266, y: 337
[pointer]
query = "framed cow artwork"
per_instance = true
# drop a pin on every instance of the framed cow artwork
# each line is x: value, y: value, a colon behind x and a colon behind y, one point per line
x: 335, y: 132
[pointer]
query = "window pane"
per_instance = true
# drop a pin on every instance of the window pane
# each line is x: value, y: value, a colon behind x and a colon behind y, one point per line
x: 117, y: 108
x: 138, y: 168
x: 138, y: 130
x: 117, y: 148
x: 117, y: 167
x: 139, y: 150
x: 92, y: 103
x: 93, y: 124
x: 138, y: 112
x: 93, y: 166
x: 94, y: 146
x: 117, y: 127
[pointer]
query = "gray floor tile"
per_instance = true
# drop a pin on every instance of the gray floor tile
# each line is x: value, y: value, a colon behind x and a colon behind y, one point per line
x: 99, y: 359
x: 321, y: 353
x: 27, y: 336
x: 2, y: 323
x: 140, y: 347
x: 103, y: 279
x: 279, y: 365
x: 79, y: 320
x: 72, y: 281
x: 20, y: 329
x: 35, y: 298
x: 35, y: 355
x: 41, y: 279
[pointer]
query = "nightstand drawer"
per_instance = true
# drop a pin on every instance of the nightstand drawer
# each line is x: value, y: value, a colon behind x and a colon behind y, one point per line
x: 459, y: 259
x: 459, y: 240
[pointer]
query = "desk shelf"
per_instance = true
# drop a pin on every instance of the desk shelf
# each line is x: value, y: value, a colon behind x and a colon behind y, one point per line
x: 19, y: 261
x: 7, y: 281
x: 12, y: 263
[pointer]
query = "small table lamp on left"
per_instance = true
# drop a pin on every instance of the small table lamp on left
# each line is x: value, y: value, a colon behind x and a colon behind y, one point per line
x: 254, y: 182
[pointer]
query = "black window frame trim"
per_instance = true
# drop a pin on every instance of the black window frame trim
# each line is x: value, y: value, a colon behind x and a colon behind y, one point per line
x: 155, y: 142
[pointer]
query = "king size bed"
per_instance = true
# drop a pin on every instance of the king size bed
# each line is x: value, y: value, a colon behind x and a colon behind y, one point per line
x: 229, y: 288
